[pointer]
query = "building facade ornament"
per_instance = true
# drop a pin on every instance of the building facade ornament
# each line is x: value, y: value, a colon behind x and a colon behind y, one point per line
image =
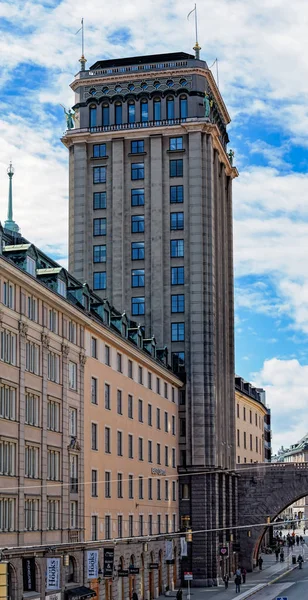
x: 22, y: 328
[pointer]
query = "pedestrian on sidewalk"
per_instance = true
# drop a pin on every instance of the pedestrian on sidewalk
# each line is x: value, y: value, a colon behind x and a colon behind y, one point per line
x: 244, y: 573
x: 260, y: 563
x: 281, y: 555
x: 297, y: 540
x: 237, y: 581
x: 179, y: 594
x: 277, y: 552
x: 226, y: 580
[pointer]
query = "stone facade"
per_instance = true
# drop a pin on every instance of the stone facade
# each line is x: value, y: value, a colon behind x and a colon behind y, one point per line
x: 181, y: 147
x: 253, y: 424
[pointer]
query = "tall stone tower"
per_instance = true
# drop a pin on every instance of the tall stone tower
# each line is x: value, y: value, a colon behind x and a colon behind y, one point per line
x: 150, y: 228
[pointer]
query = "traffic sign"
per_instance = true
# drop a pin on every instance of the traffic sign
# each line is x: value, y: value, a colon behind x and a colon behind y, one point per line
x: 282, y: 598
x: 188, y: 576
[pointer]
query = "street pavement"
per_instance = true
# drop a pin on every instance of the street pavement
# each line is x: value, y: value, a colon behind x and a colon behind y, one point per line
x: 292, y: 586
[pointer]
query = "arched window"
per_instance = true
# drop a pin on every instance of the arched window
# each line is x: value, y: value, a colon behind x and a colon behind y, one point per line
x: 118, y: 113
x: 71, y: 570
x: 157, y: 109
x: 92, y: 115
x: 131, y: 112
x: 105, y: 114
x: 170, y: 107
x: 183, y: 107
x: 144, y: 110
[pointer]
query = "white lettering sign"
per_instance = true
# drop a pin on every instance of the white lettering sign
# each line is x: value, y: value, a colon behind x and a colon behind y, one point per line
x: 92, y: 564
x: 53, y: 574
x: 53, y: 596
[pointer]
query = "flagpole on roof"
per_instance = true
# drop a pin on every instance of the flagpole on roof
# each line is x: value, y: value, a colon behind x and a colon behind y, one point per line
x: 82, y: 60
x: 196, y: 47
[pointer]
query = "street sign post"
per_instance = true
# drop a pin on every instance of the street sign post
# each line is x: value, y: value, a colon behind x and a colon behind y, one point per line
x: 188, y: 576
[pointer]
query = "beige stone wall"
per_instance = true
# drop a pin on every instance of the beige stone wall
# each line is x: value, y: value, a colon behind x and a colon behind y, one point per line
x: 249, y: 416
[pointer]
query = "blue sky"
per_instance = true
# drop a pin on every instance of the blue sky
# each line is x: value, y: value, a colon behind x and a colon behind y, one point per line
x: 263, y: 75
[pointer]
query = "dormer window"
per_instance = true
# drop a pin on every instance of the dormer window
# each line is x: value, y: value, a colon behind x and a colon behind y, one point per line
x: 62, y: 288
x: 85, y: 301
x: 124, y: 329
x: 31, y: 266
x: 106, y: 317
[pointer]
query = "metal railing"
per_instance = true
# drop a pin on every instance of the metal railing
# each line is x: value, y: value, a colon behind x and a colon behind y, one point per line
x: 125, y: 126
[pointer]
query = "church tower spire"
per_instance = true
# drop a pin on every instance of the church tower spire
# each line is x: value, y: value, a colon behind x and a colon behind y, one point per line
x: 9, y: 223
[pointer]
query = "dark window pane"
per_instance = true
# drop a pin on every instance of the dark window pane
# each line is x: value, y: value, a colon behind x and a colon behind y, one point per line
x: 99, y: 254
x: 99, y: 226
x: 105, y: 114
x: 118, y: 114
x: 131, y: 112
x: 99, y: 281
x: 137, y: 197
x: 99, y: 150
x: 99, y: 174
x: 177, y: 275
x: 138, y: 278
x: 138, y: 306
x: 157, y: 109
x: 137, y: 224
x: 99, y: 200
x: 137, y: 250
x: 137, y: 171
x: 176, y: 194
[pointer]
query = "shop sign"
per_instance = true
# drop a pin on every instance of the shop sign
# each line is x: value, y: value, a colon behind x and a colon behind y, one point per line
x: 134, y: 570
x: 224, y: 551
x: 123, y: 572
x: 188, y: 576
x: 156, y: 471
x: 108, y: 562
x: 53, y: 574
x: 28, y: 570
x: 92, y: 562
x: 153, y: 566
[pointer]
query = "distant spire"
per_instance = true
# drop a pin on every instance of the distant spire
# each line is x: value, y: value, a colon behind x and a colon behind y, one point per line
x: 9, y: 223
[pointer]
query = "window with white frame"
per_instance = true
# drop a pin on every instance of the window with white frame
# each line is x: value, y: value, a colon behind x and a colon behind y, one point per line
x: 131, y: 525
x: 8, y: 347
x: 32, y: 413
x: 7, y: 402
x: 32, y: 514
x: 150, y: 524
x: 32, y: 308
x: 32, y: 462
x: 173, y: 458
x: 94, y: 440
x: 32, y: 358
x: 73, y: 421
x: 173, y: 425
x: 174, y: 491
x: 72, y: 332
x: 7, y: 458
x: 74, y: 515
x: 94, y: 492
x: 53, y: 415
x: 72, y: 375
x: 8, y: 294
x: 174, y: 528
x: 31, y: 266
x: 53, y: 320
x: 166, y: 489
x: 53, y: 367
x: 53, y: 465
x: 120, y: 526
x: 94, y: 390
x: 94, y: 527
x: 73, y: 473
x: 61, y: 287
x: 166, y: 523
x: 53, y: 514
x: 107, y: 527
x: 7, y: 514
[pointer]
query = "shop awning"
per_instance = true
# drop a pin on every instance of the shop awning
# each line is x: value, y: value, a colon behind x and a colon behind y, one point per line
x: 79, y: 593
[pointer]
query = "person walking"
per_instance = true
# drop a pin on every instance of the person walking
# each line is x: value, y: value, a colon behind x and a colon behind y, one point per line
x: 244, y: 573
x: 297, y: 540
x: 237, y: 581
x: 277, y: 552
x: 260, y: 563
x: 226, y: 580
x: 179, y: 594
x: 281, y: 555
x: 135, y: 596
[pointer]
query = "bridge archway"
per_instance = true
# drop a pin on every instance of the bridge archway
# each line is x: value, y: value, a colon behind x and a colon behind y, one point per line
x: 264, y: 491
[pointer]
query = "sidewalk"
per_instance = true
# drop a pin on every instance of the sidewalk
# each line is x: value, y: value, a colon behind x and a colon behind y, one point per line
x: 258, y: 579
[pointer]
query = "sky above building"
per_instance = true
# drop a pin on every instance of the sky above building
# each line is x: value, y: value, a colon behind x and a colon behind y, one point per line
x: 263, y: 77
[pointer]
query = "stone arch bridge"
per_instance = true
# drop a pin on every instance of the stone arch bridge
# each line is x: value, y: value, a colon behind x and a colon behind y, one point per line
x: 264, y: 491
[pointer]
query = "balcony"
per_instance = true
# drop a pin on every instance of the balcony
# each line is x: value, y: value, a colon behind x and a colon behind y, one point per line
x: 126, y: 126
x: 74, y: 485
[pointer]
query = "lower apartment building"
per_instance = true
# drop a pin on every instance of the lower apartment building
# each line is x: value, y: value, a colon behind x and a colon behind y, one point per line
x: 88, y: 440
x: 253, y: 424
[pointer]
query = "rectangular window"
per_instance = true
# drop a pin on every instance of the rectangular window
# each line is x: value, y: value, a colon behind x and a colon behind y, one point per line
x: 257, y: 444
x: 238, y: 411
x: 107, y: 396
x: 157, y: 385
x: 32, y: 515
x: 94, y: 390
x: 99, y: 254
x: 94, y: 527
x: 176, y: 143
x: 137, y: 171
x: 32, y: 308
x: 107, y: 484
x: 166, y: 422
x: 245, y: 440
x: 130, y: 369
x: 140, y: 524
x: 140, y: 488
x: 74, y: 515
x: 53, y: 367
x: 7, y: 458
x: 99, y: 226
x: 178, y: 362
x: 177, y: 248
x: 176, y: 194
x: 137, y: 146
x: 244, y: 413
x: 250, y: 441
x: 7, y: 402
x: 166, y: 489
x: 131, y: 525
x: 53, y: 321
x: 94, y: 439
x: 250, y: 416
x: 94, y: 492
x: 32, y: 462
x: 137, y: 250
x: 150, y: 525
x: 177, y: 275
x: 182, y: 427
x: 72, y: 332
x: 107, y: 355
x: 99, y: 174
x: 158, y: 460
x: 53, y: 515
x: 177, y: 303
x: 176, y: 168
x: 166, y: 390
x: 8, y: 297
x: 107, y: 527
x: 120, y: 526
x: 149, y: 380
x: 130, y: 407
x: 138, y: 278
x: 53, y: 465
x: 32, y: 416
x: 119, y: 362
x: 72, y: 369
x: 176, y: 221
x: 107, y: 440
x: 130, y: 446
x: 166, y: 523
x: 137, y: 197
x: 140, y: 411
x: 99, y: 150
x: 137, y: 224
x: 140, y: 448
x: 174, y: 491
x: 238, y: 438
x: 158, y: 489
x: 166, y: 456
x: 99, y: 280
x: 130, y: 487
x: 53, y: 416
x: 32, y: 358
x: 73, y: 459
x: 158, y: 418
x: 177, y: 332
x: 140, y: 375
x: 31, y: 266
x: 8, y: 347
x: 173, y: 428
x: 119, y: 402
x: 119, y: 443
x: 99, y: 200
x: 150, y: 415
x: 120, y: 485
x: 150, y: 456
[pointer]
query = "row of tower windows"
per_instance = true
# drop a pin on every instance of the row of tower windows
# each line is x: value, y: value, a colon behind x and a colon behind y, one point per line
x: 129, y: 115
